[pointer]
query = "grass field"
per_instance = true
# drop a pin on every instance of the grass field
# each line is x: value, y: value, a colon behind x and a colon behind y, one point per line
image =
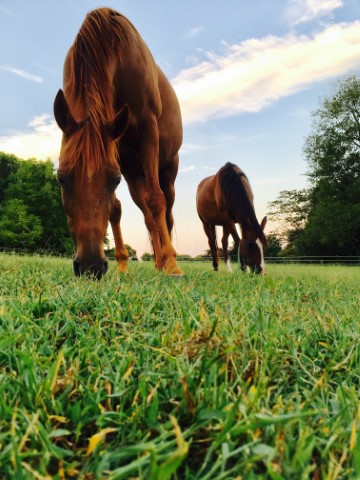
x: 212, y: 376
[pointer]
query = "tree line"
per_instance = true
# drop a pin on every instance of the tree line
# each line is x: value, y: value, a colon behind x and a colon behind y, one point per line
x: 31, y: 212
x: 322, y: 219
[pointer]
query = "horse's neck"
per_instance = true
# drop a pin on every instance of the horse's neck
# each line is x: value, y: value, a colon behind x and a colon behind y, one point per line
x: 248, y: 231
x: 248, y: 190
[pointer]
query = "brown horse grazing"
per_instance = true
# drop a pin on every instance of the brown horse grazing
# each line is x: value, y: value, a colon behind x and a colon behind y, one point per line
x: 119, y: 115
x: 226, y: 199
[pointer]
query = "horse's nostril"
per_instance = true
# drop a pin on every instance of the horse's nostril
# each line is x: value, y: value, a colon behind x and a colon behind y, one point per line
x: 96, y: 275
x: 98, y: 271
x: 95, y: 270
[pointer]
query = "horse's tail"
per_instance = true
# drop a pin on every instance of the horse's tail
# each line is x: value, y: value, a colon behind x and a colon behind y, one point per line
x: 236, y: 195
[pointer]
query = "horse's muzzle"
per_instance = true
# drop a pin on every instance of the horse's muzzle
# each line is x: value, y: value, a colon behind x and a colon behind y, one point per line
x: 94, y: 270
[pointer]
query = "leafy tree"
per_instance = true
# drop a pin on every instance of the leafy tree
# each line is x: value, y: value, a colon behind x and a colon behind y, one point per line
x: 131, y: 251
x: 34, y: 187
x: 18, y: 227
x: 146, y: 256
x: 333, y: 155
x: 325, y: 218
x: 8, y: 165
x: 183, y: 257
x: 199, y: 258
x: 290, y: 210
x: 34, y: 184
x: 274, y: 245
x: 207, y: 252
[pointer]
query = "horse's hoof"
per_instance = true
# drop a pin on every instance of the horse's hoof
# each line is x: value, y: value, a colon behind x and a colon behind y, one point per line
x: 122, y: 269
x: 176, y: 275
x: 172, y: 269
x: 175, y: 272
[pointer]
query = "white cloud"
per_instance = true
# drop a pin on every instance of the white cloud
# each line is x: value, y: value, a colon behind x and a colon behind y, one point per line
x: 21, y: 73
x: 300, y: 11
x: 220, y: 141
x: 255, y: 73
x: 193, y: 32
x: 7, y: 11
x: 187, y: 169
x: 41, y: 141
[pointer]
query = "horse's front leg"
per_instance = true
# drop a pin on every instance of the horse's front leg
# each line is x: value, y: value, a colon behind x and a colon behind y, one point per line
x: 121, y: 253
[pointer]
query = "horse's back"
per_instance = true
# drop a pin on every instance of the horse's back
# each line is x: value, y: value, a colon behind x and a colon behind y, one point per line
x: 142, y: 85
x: 169, y: 121
x: 206, y: 201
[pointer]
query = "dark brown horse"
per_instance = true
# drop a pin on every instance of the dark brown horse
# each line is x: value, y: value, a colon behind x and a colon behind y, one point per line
x: 119, y: 115
x: 226, y: 199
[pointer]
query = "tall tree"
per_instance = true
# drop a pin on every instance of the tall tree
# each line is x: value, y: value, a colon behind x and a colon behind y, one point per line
x: 18, y: 227
x: 131, y: 251
x: 332, y: 151
x: 8, y: 165
x: 274, y: 245
x: 290, y: 210
x: 111, y: 251
x: 34, y: 185
x: 325, y: 218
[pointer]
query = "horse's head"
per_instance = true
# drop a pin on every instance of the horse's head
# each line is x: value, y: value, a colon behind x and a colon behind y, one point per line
x: 88, y: 174
x: 252, y: 247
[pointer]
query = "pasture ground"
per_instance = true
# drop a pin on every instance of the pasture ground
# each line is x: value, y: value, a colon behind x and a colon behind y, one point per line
x: 212, y: 376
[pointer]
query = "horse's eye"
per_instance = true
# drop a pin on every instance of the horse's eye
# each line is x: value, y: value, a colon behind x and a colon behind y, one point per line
x: 65, y: 180
x: 62, y: 181
x: 115, y: 181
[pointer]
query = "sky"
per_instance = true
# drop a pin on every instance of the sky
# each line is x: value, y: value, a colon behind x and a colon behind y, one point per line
x: 248, y: 75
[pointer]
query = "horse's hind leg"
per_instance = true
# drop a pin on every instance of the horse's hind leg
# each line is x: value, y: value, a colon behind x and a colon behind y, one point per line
x: 137, y: 191
x: 167, y: 178
x: 121, y: 253
x: 165, y: 255
x: 211, y: 234
x: 224, y: 242
x: 233, y: 232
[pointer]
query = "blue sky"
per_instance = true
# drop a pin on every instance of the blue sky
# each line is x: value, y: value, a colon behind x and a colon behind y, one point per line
x: 248, y: 74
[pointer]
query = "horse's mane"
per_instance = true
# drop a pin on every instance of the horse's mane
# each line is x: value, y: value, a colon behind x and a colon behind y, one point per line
x: 89, y: 88
x: 232, y: 186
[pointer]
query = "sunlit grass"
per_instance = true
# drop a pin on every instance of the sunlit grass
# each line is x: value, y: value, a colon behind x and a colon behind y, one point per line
x: 211, y: 376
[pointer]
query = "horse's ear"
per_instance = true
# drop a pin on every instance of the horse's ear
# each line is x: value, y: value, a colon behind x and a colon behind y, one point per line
x: 119, y: 124
x: 62, y: 113
x: 263, y: 223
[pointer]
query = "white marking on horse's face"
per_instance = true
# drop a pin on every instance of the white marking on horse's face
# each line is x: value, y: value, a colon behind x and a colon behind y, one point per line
x: 262, y: 263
